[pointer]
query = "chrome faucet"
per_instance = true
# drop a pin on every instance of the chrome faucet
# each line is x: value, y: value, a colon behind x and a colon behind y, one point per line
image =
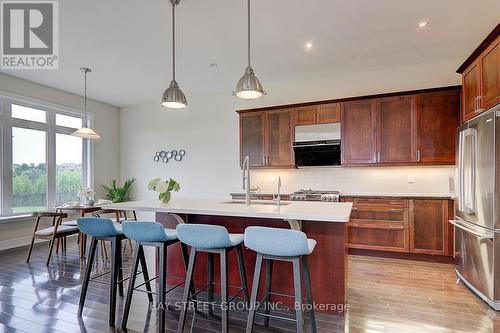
x: 278, y: 197
x: 246, y: 179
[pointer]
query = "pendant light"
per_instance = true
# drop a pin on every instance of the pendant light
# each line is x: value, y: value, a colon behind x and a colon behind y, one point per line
x: 86, y: 132
x: 249, y: 86
x: 173, y: 97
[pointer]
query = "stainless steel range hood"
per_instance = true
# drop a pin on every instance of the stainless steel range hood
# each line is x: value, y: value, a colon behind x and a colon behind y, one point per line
x: 318, y: 132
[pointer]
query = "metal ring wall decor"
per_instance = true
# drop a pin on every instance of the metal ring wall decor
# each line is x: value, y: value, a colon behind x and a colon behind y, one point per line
x: 165, y: 156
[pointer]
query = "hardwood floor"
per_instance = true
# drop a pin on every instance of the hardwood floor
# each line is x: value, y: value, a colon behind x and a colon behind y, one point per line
x: 384, y: 295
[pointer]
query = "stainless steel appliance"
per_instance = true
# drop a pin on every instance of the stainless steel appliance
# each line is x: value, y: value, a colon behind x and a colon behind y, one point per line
x: 477, y: 213
x: 310, y: 195
x: 317, y: 145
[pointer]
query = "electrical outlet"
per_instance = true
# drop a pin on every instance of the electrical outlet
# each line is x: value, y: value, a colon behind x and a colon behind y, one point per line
x: 411, y: 179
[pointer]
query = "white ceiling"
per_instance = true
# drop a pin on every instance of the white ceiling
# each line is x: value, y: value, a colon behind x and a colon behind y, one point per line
x: 127, y: 42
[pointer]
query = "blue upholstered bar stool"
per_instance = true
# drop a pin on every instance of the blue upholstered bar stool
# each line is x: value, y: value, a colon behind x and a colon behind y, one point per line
x: 104, y: 229
x: 151, y: 234
x: 282, y: 245
x: 212, y: 239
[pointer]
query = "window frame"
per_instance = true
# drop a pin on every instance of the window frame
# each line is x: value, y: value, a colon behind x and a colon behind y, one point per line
x: 51, y: 129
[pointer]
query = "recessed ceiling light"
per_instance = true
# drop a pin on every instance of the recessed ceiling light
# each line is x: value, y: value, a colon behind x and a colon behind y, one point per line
x: 422, y: 25
x: 308, y: 45
x: 213, y: 64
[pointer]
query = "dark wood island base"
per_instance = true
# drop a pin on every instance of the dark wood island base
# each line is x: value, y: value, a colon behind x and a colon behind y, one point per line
x: 328, y: 262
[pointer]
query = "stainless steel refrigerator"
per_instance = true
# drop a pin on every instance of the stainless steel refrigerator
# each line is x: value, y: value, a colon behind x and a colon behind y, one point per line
x: 477, y: 212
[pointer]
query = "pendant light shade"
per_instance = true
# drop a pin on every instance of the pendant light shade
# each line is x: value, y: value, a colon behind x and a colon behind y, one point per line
x: 173, y: 97
x: 249, y: 86
x: 86, y: 132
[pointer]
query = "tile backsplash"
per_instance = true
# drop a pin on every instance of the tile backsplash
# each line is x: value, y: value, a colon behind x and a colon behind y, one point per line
x: 378, y: 180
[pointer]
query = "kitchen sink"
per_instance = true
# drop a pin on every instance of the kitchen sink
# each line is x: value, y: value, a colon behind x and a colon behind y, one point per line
x: 264, y: 203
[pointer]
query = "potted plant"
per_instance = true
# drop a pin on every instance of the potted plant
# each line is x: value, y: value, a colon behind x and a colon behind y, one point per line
x: 116, y: 193
x: 164, y: 187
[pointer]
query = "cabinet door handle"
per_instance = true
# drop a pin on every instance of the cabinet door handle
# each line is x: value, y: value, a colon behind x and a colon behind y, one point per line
x: 478, y: 109
x: 263, y: 160
x: 378, y: 157
x: 374, y: 158
x: 418, y: 156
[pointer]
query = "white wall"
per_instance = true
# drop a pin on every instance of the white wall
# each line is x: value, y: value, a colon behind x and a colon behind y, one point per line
x: 208, y: 131
x: 106, y: 150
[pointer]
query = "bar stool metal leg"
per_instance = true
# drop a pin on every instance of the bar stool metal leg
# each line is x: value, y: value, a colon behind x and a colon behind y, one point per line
x: 115, y: 267
x: 185, y: 256
x: 189, y: 278
x: 131, y: 285
x: 210, y: 289
x: 161, y: 288
x: 86, y: 277
x: 145, y: 274
x: 120, y: 269
x: 298, y: 295
x: 269, y: 277
x: 307, y: 280
x: 255, y: 291
x: 223, y: 290
x: 243, y: 274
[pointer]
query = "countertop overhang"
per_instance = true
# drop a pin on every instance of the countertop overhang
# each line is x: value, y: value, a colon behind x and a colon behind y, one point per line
x: 292, y: 210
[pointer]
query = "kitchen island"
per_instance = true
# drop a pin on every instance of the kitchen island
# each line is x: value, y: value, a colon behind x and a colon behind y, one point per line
x: 323, y: 221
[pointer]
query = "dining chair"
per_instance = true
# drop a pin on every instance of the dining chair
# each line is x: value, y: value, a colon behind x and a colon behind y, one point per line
x: 51, y: 233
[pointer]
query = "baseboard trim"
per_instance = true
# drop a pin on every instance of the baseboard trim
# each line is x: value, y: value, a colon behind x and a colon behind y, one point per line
x: 17, y: 242
x: 406, y: 256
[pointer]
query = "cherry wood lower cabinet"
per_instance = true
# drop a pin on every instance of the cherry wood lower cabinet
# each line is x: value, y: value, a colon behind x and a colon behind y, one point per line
x: 430, y: 231
x: 401, y: 225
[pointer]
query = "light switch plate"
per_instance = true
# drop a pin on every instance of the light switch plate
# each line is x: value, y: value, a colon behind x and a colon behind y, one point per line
x: 411, y: 179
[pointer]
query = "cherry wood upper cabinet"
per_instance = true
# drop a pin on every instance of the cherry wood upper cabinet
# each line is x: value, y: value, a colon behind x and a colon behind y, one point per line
x: 407, y: 128
x: 429, y: 228
x: 252, y: 138
x: 437, y: 117
x: 396, y: 130
x: 329, y: 113
x: 489, y: 62
x: 317, y: 114
x: 471, y: 92
x: 358, y: 132
x: 306, y: 115
x: 481, y: 76
x: 280, y: 136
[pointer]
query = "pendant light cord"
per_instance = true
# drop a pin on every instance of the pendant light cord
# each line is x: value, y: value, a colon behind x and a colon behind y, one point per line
x: 85, y: 97
x: 248, y: 25
x: 173, y: 40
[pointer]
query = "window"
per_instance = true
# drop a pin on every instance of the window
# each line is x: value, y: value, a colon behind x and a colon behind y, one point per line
x: 42, y: 164
x: 29, y: 170
x: 68, y: 167
x: 23, y: 112
x: 68, y: 121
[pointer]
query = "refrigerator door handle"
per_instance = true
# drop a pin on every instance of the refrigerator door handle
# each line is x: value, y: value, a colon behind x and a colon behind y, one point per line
x: 460, y: 225
x: 467, y: 171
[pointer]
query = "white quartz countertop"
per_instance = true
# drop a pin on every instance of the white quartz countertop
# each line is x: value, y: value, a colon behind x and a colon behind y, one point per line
x: 289, y: 210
